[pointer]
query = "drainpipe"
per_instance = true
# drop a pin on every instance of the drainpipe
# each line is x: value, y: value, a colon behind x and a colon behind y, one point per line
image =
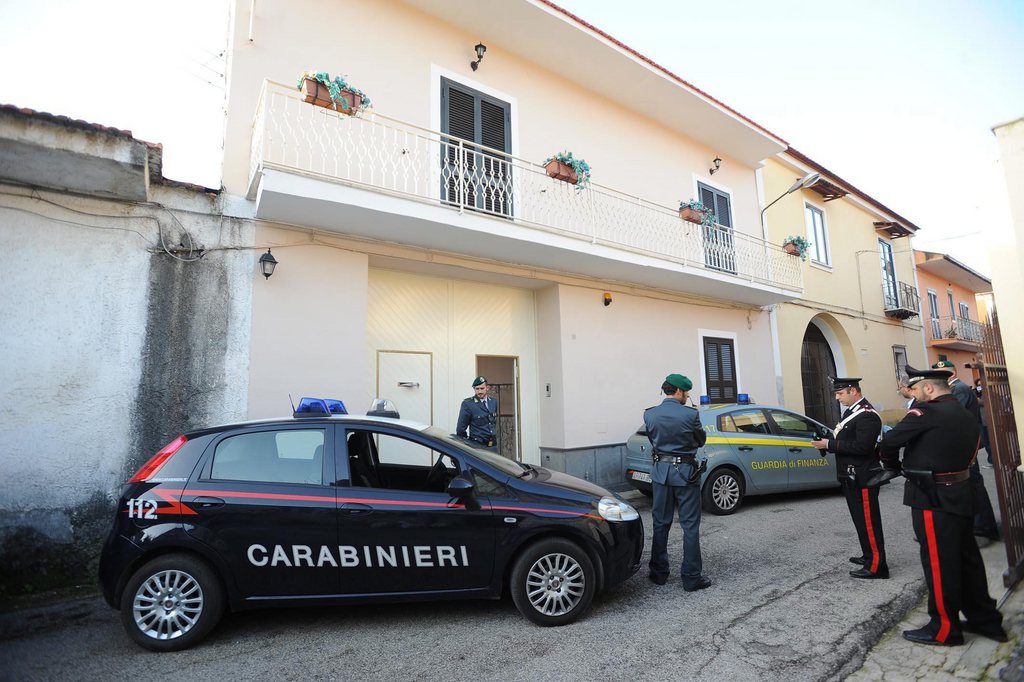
x: 252, y: 16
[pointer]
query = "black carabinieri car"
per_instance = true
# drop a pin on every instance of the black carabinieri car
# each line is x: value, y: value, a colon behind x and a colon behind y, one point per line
x: 329, y: 508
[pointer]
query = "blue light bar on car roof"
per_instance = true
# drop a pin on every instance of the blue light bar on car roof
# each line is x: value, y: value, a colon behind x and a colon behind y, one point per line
x: 705, y: 400
x: 335, y: 406
x: 743, y: 399
x: 319, y: 407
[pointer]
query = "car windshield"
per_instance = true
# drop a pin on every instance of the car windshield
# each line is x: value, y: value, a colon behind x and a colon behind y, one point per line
x: 503, y: 464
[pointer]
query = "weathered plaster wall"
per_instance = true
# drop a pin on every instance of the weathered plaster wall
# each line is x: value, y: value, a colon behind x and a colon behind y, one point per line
x: 111, y: 347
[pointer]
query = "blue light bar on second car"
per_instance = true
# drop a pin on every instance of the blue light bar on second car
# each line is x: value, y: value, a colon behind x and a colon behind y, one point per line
x: 743, y: 399
x: 705, y: 400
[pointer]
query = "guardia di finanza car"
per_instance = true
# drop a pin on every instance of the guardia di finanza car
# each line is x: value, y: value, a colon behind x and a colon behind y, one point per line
x: 751, y: 450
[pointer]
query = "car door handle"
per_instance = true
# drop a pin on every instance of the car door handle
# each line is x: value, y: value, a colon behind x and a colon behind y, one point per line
x: 353, y: 509
x: 796, y: 449
x: 745, y: 448
x: 205, y: 502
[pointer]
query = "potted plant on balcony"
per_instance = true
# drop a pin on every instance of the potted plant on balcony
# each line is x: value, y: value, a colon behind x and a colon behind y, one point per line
x: 695, y: 212
x: 567, y: 168
x: 796, y: 246
x: 323, y: 91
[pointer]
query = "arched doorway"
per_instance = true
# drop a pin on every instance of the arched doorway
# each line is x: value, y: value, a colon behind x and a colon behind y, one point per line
x: 817, y: 366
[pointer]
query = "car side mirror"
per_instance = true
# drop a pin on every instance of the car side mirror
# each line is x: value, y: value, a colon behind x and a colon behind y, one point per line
x: 460, y: 487
x: 462, y: 490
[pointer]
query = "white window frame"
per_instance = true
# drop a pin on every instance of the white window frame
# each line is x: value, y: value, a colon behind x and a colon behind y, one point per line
x: 439, y: 72
x: 812, y: 235
x: 965, y: 311
x: 718, y: 334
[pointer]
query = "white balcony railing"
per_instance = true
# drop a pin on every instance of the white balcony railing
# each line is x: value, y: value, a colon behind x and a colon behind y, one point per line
x: 379, y: 153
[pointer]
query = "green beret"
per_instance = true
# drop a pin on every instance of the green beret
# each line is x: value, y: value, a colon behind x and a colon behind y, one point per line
x: 478, y: 381
x: 679, y: 381
x: 943, y: 364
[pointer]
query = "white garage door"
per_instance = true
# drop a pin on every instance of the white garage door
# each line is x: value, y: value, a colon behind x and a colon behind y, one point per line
x: 454, y: 321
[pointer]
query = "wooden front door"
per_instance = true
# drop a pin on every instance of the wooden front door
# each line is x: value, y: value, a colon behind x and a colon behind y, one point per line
x: 817, y: 366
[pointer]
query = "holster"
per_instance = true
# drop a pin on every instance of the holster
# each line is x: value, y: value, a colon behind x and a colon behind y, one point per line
x: 925, y: 482
x: 698, y: 472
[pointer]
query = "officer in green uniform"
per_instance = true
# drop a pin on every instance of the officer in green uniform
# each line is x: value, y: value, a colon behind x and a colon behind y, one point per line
x: 939, y: 438
x: 478, y: 416
x: 675, y: 432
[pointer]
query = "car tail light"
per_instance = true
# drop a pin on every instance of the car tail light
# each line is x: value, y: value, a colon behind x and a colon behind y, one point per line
x: 156, y: 461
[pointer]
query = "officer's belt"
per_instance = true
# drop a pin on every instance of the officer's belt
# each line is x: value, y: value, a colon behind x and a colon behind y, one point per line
x: 489, y: 442
x: 676, y: 459
x: 944, y: 478
x: 952, y: 476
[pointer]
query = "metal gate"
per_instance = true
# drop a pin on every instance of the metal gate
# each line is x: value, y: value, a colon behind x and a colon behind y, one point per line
x: 1005, y: 448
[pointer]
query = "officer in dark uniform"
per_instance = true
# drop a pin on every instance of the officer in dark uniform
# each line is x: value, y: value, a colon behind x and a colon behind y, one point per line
x: 856, y: 448
x: 478, y: 416
x: 675, y: 433
x: 984, y: 516
x: 940, y: 441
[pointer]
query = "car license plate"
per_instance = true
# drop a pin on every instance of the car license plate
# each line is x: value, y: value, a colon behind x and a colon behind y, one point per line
x: 641, y: 476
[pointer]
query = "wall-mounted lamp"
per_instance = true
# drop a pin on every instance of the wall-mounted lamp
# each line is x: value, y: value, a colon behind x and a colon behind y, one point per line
x: 717, y: 164
x: 607, y: 299
x: 267, y: 264
x: 480, y: 49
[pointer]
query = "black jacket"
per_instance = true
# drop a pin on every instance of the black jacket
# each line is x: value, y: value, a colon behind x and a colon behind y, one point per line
x: 856, y: 444
x: 938, y: 436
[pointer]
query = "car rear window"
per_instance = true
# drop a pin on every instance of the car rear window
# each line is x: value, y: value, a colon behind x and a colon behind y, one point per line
x: 290, y: 456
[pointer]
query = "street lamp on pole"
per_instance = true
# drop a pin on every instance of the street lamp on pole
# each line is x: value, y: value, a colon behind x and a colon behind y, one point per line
x: 806, y: 181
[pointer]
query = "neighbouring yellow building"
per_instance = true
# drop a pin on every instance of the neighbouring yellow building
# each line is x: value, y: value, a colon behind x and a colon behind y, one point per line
x: 860, y: 314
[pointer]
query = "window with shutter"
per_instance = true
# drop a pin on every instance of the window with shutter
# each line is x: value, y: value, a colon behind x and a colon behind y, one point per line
x: 720, y: 369
x: 719, y: 247
x: 475, y: 173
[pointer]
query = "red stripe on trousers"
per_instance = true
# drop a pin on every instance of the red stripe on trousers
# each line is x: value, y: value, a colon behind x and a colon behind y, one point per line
x: 871, y: 530
x: 933, y: 556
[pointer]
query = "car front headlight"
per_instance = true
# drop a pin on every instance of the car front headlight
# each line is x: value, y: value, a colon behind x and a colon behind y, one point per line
x: 611, y: 509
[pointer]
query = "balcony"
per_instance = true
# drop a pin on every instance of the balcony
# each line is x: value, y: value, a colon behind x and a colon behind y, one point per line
x: 901, y: 300
x: 378, y: 178
x: 955, y: 333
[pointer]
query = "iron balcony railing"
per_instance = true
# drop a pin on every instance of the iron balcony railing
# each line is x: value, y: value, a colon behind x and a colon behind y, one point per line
x: 950, y: 328
x: 901, y: 298
x: 375, y: 152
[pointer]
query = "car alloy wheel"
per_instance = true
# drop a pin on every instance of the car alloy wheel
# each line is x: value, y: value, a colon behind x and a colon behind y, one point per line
x: 171, y: 602
x: 553, y: 582
x: 167, y: 605
x: 723, y: 492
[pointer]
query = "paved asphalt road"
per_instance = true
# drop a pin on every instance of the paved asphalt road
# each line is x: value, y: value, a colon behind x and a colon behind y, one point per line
x: 782, y: 607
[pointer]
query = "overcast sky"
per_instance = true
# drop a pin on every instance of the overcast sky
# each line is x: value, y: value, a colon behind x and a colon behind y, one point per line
x: 897, y: 97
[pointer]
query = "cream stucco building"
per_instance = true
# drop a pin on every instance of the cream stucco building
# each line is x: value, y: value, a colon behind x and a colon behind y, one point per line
x: 859, y: 314
x: 421, y: 243
x: 1008, y: 261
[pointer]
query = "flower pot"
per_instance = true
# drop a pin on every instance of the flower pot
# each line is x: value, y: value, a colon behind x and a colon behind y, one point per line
x: 316, y: 93
x: 691, y: 215
x: 791, y: 248
x: 351, y: 100
x: 561, y: 171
